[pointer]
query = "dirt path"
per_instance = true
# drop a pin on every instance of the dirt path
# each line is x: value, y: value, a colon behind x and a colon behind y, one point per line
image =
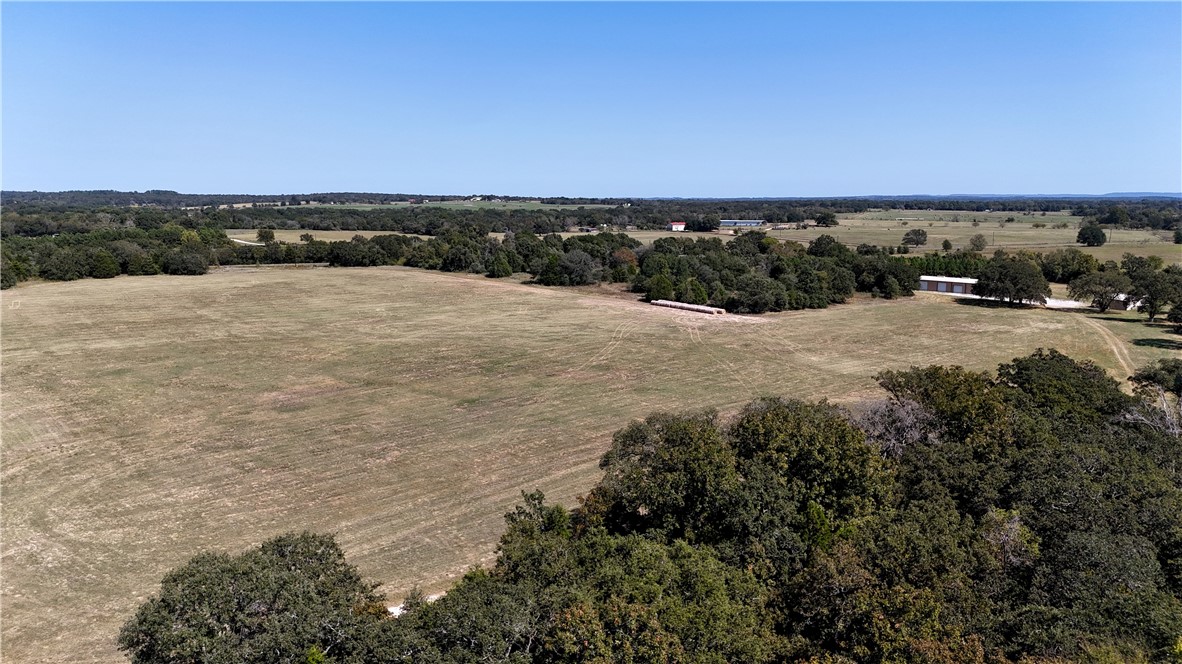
x: 1116, y: 345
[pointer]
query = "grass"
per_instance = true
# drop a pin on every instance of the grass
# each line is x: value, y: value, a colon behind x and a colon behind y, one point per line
x: 887, y: 228
x: 251, y: 235
x: 146, y: 419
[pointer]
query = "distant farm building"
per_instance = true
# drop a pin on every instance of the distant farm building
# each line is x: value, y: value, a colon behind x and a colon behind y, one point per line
x: 952, y: 285
x: 740, y: 223
x: 677, y: 225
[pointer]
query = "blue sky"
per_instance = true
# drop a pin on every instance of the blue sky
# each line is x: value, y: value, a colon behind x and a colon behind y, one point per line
x: 600, y: 99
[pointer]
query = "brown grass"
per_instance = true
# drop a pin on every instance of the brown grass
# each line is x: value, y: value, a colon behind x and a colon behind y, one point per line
x: 148, y: 418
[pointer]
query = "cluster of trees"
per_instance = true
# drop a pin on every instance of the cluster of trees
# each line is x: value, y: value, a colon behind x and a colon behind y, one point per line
x: 1146, y: 281
x: 755, y: 273
x: 107, y: 253
x: 1035, y: 515
x: 1152, y: 214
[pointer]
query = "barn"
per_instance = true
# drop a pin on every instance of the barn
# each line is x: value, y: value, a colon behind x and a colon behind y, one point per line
x: 740, y: 223
x: 950, y: 285
x: 677, y: 225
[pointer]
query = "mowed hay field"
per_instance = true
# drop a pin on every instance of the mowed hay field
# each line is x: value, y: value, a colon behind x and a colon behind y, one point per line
x: 887, y: 228
x: 293, y: 236
x: 146, y: 419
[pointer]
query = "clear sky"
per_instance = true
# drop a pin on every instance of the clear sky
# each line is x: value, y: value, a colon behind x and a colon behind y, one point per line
x: 601, y: 99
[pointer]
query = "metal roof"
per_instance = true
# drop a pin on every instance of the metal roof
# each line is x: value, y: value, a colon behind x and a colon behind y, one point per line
x: 953, y: 280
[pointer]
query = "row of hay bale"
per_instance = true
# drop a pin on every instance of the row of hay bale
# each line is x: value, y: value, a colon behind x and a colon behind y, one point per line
x: 700, y: 308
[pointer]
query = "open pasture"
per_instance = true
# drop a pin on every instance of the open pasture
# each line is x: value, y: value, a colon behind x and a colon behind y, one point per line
x: 146, y: 419
x: 290, y: 235
x: 884, y: 229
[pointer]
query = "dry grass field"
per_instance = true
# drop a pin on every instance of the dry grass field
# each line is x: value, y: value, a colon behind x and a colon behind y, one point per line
x: 146, y: 419
x: 884, y: 228
x: 285, y: 235
x: 887, y: 228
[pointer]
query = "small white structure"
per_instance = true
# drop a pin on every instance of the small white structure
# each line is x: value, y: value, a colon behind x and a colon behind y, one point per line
x: 677, y: 225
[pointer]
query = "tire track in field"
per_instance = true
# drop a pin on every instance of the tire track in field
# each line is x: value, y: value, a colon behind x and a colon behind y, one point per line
x: 622, y: 332
x: 695, y: 335
x: 1115, y: 345
x: 520, y: 423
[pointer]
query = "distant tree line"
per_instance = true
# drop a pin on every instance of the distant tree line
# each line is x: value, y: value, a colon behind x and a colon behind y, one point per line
x: 1034, y: 515
x: 32, y: 213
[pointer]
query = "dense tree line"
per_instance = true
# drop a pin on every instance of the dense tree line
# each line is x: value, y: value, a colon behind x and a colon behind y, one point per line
x: 34, y: 213
x: 1158, y: 216
x: 1034, y: 515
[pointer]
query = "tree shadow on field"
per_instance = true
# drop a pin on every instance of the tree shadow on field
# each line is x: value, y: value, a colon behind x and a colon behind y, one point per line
x: 1165, y: 344
x: 1117, y: 317
x: 992, y: 304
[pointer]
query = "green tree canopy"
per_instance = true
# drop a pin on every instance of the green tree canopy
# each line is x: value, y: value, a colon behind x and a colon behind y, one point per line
x: 1091, y: 235
x: 916, y: 237
x: 271, y: 604
x: 1012, y: 279
x: 1099, y: 288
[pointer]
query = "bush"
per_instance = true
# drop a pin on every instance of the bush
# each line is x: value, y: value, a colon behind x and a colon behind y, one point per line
x: 978, y: 242
x: 946, y: 245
